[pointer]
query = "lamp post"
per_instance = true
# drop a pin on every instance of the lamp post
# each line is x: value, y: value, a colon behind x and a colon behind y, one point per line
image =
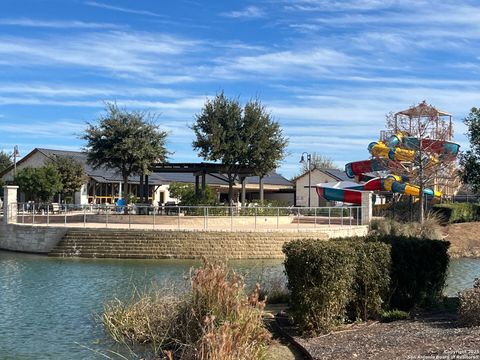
x: 302, y: 160
x: 15, y: 154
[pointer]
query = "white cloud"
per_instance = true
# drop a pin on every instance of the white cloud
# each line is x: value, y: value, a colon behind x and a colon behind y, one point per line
x: 99, y: 91
x: 141, y: 54
x: 122, y: 9
x: 311, y: 62
x: 35, y: 129
x: 67, y: 24
x: 250, y: 12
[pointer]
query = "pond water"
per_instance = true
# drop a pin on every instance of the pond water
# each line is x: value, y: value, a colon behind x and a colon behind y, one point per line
x: 47, y: 305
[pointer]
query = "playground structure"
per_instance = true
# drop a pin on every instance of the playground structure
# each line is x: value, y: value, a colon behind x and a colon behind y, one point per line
x: 399, y: 158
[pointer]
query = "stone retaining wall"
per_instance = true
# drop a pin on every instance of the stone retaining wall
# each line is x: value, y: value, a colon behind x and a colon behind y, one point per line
x: 30, y: 238
x: 118, y: 243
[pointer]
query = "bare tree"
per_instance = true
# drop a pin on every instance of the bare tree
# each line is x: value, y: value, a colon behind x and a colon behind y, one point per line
x: 429, y: 157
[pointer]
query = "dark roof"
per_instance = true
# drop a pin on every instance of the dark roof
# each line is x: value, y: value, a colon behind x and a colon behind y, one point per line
x: 105, y: 175
x: 271, y: 179
x: 336, y: 173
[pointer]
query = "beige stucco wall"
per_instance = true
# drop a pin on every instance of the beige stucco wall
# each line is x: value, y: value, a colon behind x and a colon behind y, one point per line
x: 36, y: 160
x: 301, y: 192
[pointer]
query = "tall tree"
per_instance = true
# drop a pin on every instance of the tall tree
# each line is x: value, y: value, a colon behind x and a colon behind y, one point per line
x: 238, y: 137
x: 72, y: 174
x: 266, y: 143
x: 470, y: 159
x: 5, y: 160
x: 220, y: 136
x: 127, y: 141
x: 39, y: 184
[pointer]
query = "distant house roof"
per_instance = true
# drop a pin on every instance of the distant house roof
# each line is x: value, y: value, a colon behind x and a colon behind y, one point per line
x: 105, y: 175
x: 337, y: 174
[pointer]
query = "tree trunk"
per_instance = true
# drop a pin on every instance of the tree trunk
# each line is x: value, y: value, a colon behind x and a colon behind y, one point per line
x: 141, y: 189
x: 422, y: 199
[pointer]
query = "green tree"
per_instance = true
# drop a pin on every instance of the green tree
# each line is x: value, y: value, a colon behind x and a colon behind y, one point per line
x: 39, y: 184
x: 127, y: 141
x: 470, y: 159
x: 185, y: 193
x: 238, y: 137
x: 5, y: 160
x: 266, y: 143
x: 72, y: 174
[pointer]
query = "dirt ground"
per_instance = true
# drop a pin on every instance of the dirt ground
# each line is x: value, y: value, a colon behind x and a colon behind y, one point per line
x: 464, y: 239
x: 434, y: 336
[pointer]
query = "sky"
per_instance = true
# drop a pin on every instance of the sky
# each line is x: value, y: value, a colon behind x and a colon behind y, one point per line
x: 328, y: 71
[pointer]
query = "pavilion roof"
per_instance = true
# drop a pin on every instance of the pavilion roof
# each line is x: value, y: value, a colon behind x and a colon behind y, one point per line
x: 422, y: 109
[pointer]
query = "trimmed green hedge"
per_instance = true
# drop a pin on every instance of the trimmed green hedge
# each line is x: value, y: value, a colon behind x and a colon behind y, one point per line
x: 331, y: 281
x: 457, y: 212
x: 419, y: 271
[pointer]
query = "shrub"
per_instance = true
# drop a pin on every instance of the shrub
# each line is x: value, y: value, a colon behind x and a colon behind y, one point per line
x: 371, y: 279
x: 320, y: 278
x: 217, y: 320
x: 354, y: 278
x: 394, y: 315
x: 419, y: 270
x: 457, y: 212
x: 330, y: 280
x: 429, y: 229
x: 469, y: 305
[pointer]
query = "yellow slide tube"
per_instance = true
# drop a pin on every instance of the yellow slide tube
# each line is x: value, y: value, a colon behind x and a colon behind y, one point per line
x: 380, y: 149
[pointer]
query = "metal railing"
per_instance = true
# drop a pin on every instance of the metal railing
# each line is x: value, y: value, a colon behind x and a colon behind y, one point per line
x: 186, y: 217
x: 462, y: 198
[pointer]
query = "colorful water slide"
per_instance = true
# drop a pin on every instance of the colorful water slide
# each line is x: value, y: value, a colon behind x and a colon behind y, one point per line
x: 353, y: 194
x: 440, y: 147
x: 399, y: 148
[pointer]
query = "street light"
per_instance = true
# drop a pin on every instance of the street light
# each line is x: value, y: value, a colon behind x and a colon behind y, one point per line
x: 302, y: 160
x: 15, y: 154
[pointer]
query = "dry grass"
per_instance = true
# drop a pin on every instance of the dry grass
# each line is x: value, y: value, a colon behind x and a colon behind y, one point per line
x: 216, y: 320
x: 464, y: 239
x: 429, y: 229
x: 469, y: 305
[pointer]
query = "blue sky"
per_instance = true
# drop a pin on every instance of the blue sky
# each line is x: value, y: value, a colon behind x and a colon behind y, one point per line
x: 328, y: 71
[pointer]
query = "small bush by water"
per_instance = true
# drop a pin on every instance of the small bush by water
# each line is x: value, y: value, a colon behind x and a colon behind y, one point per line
x: 419, y: 271
x: 331, y: 282
x: 217, y: 320
x: 469, y: 305
x: 359, y: 278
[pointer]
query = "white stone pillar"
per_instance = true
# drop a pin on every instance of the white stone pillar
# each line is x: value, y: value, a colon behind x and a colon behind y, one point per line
x: 10, y: 204
x: 367, y: 207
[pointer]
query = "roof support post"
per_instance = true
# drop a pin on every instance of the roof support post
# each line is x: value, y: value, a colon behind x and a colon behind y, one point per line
x: 197, y: 185
x: 244, y: 190
x: 260, y: 184
x: 141, y: 191
x: 146, y: 192
x: 204, y: 182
